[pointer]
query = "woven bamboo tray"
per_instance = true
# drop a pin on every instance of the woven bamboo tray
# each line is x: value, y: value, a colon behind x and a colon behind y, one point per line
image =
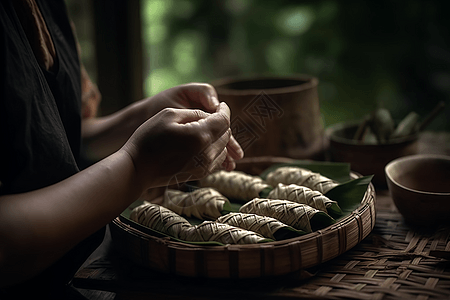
x: 247, y: 261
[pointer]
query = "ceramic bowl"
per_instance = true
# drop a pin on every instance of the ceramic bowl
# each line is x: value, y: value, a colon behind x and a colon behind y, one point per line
x: 420, y: 187
x: 366, y: 159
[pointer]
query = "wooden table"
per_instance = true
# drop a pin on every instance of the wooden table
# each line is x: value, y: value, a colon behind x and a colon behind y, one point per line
x: 393, y: 262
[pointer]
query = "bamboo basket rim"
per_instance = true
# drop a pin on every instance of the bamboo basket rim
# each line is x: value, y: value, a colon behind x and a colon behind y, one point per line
x: 367, y: 206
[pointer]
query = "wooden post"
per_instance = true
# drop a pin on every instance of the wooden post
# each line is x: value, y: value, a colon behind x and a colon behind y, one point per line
x: 119, y: 52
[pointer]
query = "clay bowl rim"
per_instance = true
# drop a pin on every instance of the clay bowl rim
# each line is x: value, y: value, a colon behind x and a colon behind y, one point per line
x: 309, y: 82
x: 400, y: 160
x: 331, y: 134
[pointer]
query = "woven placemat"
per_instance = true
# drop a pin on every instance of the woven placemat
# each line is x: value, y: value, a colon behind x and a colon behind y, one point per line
x: 393, y: 262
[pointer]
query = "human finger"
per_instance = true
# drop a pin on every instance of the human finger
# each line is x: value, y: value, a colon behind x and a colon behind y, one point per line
x: 218, y: 123
x: 234, y: 149
x: 229, y: 164
x: 218, y: 161
x: 185, y: 116
x: 213, y: 150
x: 203, y: 94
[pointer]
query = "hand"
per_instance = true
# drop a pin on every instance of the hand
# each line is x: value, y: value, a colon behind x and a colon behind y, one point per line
x: 193, y: 95
x: 103, y: 136
x: 184, y: 143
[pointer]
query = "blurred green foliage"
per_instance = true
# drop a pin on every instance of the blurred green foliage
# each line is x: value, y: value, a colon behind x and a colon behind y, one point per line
x: 365, y: 53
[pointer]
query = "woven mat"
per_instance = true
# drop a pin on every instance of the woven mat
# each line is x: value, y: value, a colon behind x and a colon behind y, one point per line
x: 393, y: 262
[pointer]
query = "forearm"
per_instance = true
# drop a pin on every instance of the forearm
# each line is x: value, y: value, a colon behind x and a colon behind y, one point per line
x: 38, y: 227
x: 104, y: 135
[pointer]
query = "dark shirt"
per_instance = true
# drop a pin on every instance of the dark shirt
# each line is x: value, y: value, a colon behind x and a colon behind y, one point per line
x: 39, y: 109
x: 40, y: 120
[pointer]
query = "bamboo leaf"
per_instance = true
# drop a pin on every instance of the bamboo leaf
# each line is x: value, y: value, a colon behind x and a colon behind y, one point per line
x: 335, y: 210
x: 321, y: 220
x: 231, y: 207
x: 287, y: 233
x: 350, y: 194
x: 265, y: 192
x: 193, y: 220
x: 126, y: 213
x: 227, y: 208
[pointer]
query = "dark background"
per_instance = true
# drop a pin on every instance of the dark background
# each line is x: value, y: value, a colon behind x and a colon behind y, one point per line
x: 366, y: 54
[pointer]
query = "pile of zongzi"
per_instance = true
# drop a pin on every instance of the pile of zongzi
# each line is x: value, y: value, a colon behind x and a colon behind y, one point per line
x: 289, y: 203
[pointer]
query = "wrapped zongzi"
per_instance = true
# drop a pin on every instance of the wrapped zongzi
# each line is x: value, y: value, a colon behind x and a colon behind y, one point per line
x: 235, y: 184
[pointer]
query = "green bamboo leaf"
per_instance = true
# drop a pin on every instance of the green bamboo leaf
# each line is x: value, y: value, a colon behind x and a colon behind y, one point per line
x: 264, y: 241
x: 126, y: 213
x: 231, y: 207
x: 193, y: 221
x: 227, y: 208
x: 321, y: 220
x: 335, y: 211
x: 265, y: 192
x: 337, y: 171
x: 350, y: 194
x: 287, y: 233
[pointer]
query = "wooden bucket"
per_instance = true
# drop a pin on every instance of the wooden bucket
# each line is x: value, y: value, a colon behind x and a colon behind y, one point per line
x: 275, y: 116
x: 367, y: 159
x: 246, y: 261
